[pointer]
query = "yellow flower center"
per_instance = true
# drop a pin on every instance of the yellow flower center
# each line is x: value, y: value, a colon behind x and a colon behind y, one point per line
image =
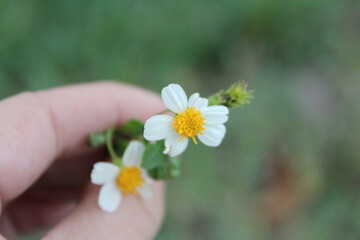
x: 129, y: 179
x: 189, y: 123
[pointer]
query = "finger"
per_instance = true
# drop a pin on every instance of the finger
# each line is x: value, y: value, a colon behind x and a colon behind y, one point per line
x: 53, y: 185
x: 134, y: 219
x: 52, y: 197
x: 27, y: 214
x: 36, y: 128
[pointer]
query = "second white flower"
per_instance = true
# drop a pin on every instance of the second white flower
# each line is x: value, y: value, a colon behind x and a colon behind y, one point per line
x: 194, y: 118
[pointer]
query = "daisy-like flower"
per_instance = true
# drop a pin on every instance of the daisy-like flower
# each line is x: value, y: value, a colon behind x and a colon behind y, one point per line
x: 118, y: 181
x: 194, y: 118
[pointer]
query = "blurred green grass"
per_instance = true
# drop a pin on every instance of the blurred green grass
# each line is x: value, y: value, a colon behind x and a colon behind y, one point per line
x: 289, y: 167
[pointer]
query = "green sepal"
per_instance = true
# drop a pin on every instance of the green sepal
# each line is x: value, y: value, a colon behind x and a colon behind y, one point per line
x: 117, y: 161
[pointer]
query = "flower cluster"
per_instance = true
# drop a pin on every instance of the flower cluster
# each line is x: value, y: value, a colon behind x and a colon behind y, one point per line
x: 140, y: 152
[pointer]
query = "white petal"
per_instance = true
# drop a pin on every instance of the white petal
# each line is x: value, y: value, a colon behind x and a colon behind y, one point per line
x: 133, y: 154
x: 198, y: 102
x: 213, y: 135
x: 104, y: 172
x: 215, y: 119
x: 215, y: 114
x: 109, y: 197
x: 170, y: 140
x: 174, y: 98
x: 178, y: 147
x: 192, y: 99
x: 145, y: 191
x: 157, y: 127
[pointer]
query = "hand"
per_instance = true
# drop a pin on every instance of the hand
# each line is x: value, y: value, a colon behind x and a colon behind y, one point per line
x: 44, y: 134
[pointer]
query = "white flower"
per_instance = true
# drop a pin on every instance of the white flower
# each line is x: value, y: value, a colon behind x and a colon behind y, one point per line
x: 193, y: 118
x: 116, y: 181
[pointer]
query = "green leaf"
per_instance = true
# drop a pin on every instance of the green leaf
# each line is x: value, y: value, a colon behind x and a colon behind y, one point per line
x: 97, y: 139
x: 158, y: 173
x: 159, y: 165
x: 174, y: 169
x: 120, y: 145
x: 170, y: 169
x: 153, y: 156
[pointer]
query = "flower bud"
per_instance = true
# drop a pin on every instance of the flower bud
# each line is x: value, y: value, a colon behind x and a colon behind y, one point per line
x: 236, y: 96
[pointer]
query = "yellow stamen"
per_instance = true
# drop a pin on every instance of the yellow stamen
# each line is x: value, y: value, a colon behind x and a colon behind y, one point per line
x: 189, y: 123
x: 129, y: 179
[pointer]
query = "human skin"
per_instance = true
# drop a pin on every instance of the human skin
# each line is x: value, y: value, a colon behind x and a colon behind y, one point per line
x: 45, y: 163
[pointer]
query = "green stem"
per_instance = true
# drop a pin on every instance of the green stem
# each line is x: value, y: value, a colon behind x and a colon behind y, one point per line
x: 109, y: 145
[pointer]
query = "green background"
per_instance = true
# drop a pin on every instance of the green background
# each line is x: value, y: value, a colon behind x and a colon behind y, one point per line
x: 289, y: 167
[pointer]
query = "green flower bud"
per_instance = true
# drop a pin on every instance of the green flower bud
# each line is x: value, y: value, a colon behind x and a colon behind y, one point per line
x: 236, y: 96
